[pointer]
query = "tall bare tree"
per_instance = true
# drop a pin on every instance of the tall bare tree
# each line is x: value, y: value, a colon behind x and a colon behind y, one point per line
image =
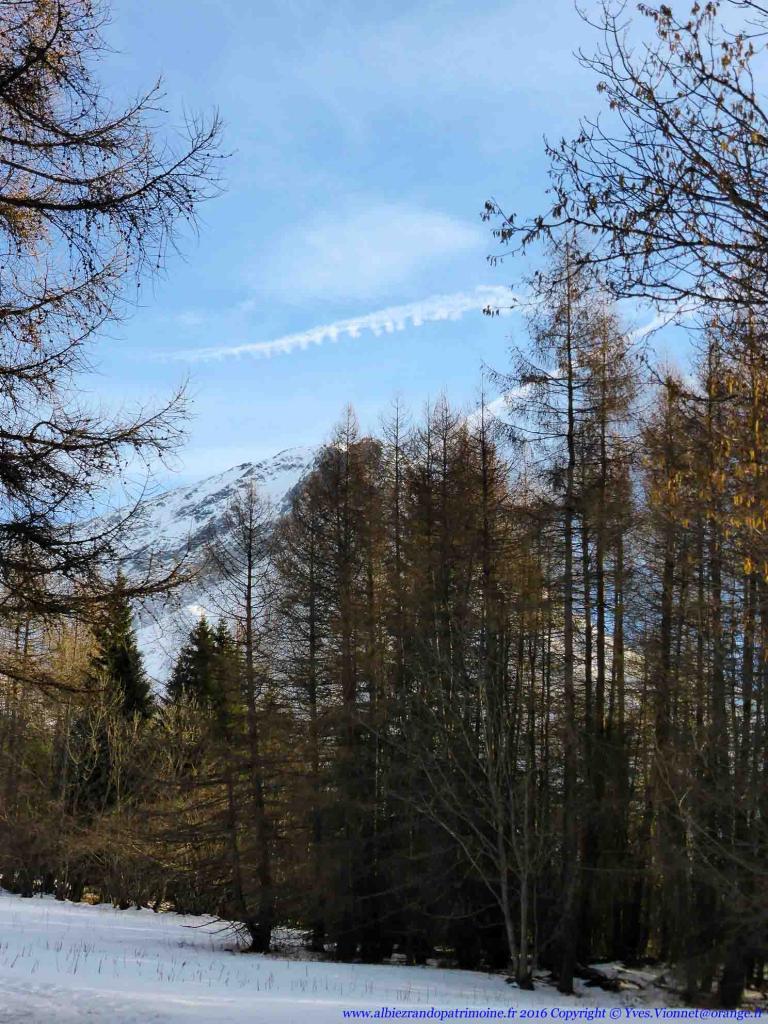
x: 669, y: 182
x: 90, y: 198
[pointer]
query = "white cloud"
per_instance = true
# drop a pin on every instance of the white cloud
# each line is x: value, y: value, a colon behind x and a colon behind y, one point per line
x: 190, y: 318
x: 490, y: 411
x: 442, y: 56
x: 389, y: 320
x: 656, y: 323
x: 365, y: 252
x: 197, y: 610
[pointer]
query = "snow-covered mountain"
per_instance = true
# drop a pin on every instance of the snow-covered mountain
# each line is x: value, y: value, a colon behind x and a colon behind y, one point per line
x: 178, y: 523
x: 181, y: 520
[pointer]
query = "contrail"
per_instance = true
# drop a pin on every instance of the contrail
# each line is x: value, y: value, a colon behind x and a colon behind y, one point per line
x: 384, y: 321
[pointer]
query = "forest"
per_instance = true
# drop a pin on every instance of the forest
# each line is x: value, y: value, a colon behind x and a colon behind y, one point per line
x: 494, y: 688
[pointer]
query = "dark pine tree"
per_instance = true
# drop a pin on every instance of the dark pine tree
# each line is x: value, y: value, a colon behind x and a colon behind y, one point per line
x: 194, y: 674
x: 121, y: 689
x: 117, y: 663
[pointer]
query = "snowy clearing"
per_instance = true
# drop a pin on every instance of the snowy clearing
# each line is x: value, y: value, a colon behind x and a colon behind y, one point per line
x: 69, y: 962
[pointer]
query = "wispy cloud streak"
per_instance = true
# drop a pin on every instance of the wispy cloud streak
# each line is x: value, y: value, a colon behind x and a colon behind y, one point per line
x: 384, y: 321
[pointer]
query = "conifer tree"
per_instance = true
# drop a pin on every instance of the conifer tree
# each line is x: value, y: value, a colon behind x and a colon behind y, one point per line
x: 194, y: 674
x: 240, y: 555
x: 89, y: 201
x: 119, y: 692
x: 117, y: 664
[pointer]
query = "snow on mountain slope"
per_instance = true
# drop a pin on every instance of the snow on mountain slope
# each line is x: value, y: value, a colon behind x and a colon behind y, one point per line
x: 181, y: 520
x: 177, y: 525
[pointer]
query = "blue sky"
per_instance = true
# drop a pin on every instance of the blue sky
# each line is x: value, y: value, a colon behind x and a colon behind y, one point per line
x: 365, y: 138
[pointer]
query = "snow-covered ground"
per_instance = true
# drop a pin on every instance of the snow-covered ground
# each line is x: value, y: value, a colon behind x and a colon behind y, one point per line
x: 66, y: 963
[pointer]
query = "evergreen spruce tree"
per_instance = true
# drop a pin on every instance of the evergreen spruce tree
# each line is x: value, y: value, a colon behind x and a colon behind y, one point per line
x: 226, y: 679
x: 117, y: 662
x: 194, y: 674
x: 121, y: 692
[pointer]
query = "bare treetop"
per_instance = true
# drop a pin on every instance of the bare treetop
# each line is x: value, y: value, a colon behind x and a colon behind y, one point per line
x: 668, y: 186
x: 88, y: 193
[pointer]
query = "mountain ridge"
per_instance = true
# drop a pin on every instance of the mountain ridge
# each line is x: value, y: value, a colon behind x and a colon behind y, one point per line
x: 178, y: 523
